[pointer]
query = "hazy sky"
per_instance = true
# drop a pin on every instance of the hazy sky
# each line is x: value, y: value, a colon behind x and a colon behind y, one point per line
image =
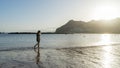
x: 47, y: 15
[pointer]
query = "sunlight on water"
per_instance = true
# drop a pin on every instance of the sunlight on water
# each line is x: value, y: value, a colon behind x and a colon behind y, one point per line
x: 105, y: 39
x: 107, y: 58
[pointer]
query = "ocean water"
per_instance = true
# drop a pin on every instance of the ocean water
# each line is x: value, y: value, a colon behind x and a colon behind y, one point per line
x: 57, y: 40
x: 60, y: 51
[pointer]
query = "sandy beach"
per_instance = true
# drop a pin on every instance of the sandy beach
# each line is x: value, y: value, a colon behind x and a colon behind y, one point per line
x: 73, y: 57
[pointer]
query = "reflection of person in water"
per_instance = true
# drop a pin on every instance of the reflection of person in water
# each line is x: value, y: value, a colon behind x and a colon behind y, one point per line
x: 38, y: 56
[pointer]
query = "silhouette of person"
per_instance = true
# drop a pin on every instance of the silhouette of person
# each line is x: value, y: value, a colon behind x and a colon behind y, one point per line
x: 37, y: 39
x: 38, y: 36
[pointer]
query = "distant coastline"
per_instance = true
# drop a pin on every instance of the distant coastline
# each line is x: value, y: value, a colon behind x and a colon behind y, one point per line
x: 53, y: 33
x: 30, y: 33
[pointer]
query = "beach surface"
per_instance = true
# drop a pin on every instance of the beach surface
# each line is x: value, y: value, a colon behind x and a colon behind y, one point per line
x: 72, y: 57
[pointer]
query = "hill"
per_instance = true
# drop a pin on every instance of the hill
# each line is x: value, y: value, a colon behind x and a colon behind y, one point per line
x: 93, y: 26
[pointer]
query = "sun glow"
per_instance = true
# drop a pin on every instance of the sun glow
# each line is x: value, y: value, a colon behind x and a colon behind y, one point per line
x: 105, y: 12
x: 105, y: 39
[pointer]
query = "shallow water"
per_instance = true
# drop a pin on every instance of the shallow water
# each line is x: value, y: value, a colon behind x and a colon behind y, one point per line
x: 57, y: 40
x: 61, y: 51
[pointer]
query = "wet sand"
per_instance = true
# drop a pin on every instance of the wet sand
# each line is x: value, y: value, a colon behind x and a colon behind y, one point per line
x: 73, y: 57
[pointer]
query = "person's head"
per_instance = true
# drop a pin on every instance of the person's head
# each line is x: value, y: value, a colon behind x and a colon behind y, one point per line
x: 38, y: 31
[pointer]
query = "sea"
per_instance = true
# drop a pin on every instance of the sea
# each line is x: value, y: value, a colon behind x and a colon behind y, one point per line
x: 9, y: 41
x: 60, y: 51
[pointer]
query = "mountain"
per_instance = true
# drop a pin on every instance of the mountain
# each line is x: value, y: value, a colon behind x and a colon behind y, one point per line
x: 93, y: 26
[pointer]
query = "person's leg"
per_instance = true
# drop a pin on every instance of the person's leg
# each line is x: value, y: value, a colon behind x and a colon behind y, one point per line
x: 35, y: 47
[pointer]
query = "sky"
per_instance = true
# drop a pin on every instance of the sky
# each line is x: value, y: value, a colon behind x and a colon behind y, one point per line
x: 47, y: 15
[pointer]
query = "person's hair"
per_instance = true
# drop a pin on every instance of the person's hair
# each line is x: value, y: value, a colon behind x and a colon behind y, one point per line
x: 38, y: 31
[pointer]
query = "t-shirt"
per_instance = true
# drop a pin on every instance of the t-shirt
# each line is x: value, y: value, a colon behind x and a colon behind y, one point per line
x: 38, y: 37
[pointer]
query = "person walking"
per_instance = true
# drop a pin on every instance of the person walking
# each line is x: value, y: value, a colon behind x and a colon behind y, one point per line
x: 38, y: 36
x: 37, y: 39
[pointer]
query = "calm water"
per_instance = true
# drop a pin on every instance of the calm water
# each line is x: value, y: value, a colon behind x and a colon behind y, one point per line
x: 57, y: 40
